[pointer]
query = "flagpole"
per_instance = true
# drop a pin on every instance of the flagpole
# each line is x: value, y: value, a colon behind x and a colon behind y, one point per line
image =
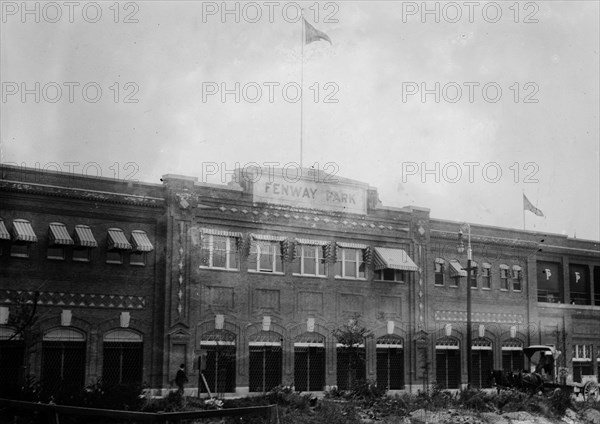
x: 523, y: 200
x: 301, y: 87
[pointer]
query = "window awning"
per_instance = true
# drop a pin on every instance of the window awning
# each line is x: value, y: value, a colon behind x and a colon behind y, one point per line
x: 3, y: 231
x: 486, y: 265
x: 516, y: 268
x: 266, y: 237
x: 351, y: 245
x: 311, y: 242
x: 58, y: 234
x: 502, y: 266
x: 84, y: 236
x: 117, y: 239
x: 393, y: 259
x: 440, y: 261
x: 22, y: 231
x: 140, y: 241
x: 456, y: 269
x: 221, y: 233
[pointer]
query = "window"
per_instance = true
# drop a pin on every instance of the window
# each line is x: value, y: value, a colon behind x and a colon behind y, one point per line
x: 19, y: 250
x: 122, y: 357
x: 350, y: 263
x: 265, y: 360
x: 81, y: 254
x: 219, y: 252
x: 23, y: 236
x: 474, y: 273
x: 456, y: 273
x: 447, y: 363
x: 351, y: 365
x: 58, y: 238
x: 63, y: 359
x: 137, y: 258
x: 579, y: 276
x: 117, y: 244
x: 439, y: 268
x: 504, y: 277
x: 265, y: 256
x: 311, y: 260
x: 517, y: 277
x: 309, y: 362
x: 389, y: 275
x: 582, y: 361
x: 114, y: 257
x: 56, y: 253
x: 512, y: 356
x: 390, y: 362
x: 486, y: 276
x: 549, y: 282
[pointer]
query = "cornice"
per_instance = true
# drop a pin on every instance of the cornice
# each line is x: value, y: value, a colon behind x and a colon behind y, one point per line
x: 81, y: 194
x: 475, y: 238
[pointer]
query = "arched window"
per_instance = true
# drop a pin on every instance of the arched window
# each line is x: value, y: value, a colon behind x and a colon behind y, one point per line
x: 447, y: 363
x: 123, y: 357
x: 220, y: 369
x: 482, y: 363
x: 11, y: 363
x: 512, y: 355
x: 309, y: 362
x: 63, y: 359
x: 390, y: 362
x: 265, y: 361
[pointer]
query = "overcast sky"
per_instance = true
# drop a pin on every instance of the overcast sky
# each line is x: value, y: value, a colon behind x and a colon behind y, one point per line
x: 364, y: 115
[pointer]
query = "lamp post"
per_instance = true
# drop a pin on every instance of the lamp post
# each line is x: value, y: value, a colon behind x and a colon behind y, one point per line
x: 461, y: 249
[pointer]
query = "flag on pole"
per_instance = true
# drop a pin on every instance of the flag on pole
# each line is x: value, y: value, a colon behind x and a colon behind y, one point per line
x: 528, y: 206
x: 312, y: 34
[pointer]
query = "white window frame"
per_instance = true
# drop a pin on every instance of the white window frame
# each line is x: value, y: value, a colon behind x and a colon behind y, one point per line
x: 256, y: 249
x: 397, y: 275
x: 318, y: 250
x: 505, y: 278
x: 230, y: 246
x: 442, y: 271
x: 359, y: 258
x: 486, y: 278
x: 582, y: 353
x: 517, y: 276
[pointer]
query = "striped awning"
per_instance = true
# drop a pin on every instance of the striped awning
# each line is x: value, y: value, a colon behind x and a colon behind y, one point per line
x: 84, y: 236
x: 440, y: 261
x: 266, y: 237
x: 351, y: 245
x: 58, y: 234
x: 223, y: 233
x: 486, y: 265
x: 474, y: 264
x: 3, y: 231
x: 312, y: 242
x: 22, y: 231
x: 503, y: 266
x: 386, y: 258
x: 516, y: 268
x: 456, y: 269
x: 140, y: 241
x: 117, y: 239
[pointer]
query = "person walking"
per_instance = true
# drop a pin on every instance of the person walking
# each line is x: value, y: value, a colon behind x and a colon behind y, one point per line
x: 181, y: 378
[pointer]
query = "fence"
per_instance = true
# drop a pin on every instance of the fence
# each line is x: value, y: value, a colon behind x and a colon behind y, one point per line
x: 54, y: 413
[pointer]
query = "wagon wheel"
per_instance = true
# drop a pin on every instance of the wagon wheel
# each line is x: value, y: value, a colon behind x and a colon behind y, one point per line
x: 591, y: 391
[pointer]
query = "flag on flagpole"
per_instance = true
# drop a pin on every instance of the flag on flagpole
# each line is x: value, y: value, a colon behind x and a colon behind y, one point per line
x: 528, y: 206
x: 312, y: 34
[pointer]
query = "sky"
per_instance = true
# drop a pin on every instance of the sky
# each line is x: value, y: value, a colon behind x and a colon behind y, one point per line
x: 453, y: 106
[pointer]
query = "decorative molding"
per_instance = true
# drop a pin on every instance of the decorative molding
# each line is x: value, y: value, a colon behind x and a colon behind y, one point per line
x: 449, y: 235
x: 79, y: 300
x: 487, y: 317
x: 81, y: 194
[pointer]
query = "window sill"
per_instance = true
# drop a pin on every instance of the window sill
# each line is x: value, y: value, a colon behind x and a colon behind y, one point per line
x: 389, y: 281
x: 253, y: 271
x: 210, y: 268
x: 350, y: 278
x: 136, y: 264
x: 308, y: 275
x: 81, y: 260
x: 114, y: 262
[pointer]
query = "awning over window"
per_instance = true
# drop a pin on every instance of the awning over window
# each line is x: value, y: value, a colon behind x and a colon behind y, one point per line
x: 3, y: 231
x: 516, y: 268
x: 439, y: 261
x: 486, y: 265
x: 84, y: 236
x: 393, y: 259
x: 311, y: 242
x: 456, y: 269
x: 266, y: 237
x: 117, y: 239
x: 502, y: 266
x: 140, y: 241
x: 351, y: 245
x: 221, y: 233
x: 22, y: 231
x: 58, y: 234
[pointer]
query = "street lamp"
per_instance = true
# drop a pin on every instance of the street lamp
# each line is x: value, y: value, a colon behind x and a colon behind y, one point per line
x: 461, y: 249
